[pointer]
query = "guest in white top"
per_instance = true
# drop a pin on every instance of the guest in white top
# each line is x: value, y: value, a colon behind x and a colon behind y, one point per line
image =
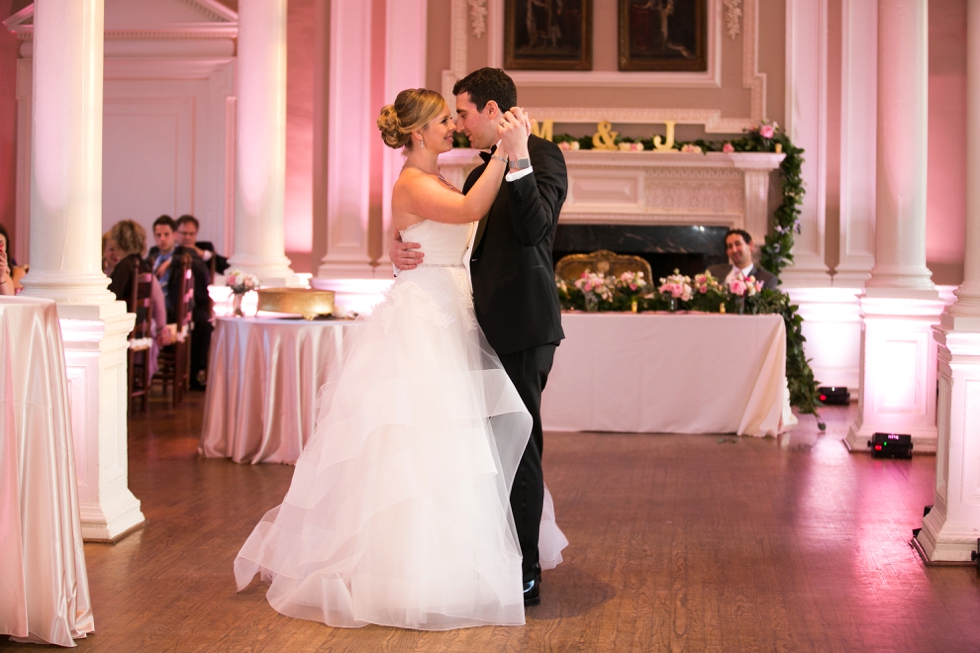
x: 738, y: 246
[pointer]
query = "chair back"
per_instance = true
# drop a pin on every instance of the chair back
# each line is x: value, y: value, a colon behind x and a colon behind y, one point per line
x: 185, y: 301
x: 139, y: 303
x: 140, y: 345
x: 601, y: 261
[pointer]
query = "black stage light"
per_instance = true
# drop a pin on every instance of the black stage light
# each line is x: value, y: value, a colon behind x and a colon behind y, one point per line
x: 834, y: 396
x: 890, y: 445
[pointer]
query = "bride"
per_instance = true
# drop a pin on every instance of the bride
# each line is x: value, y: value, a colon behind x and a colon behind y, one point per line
x: 398, y: 511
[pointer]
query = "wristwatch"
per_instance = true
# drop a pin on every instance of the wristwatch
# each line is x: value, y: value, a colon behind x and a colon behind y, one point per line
x: 520, y: 164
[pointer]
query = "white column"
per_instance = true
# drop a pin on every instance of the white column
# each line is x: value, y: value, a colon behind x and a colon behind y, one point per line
x: 949, y: 532
x: 350, y: 128
x: 260, y: 167
x: 66, y: 221
x: 806, y: 123
x: 900, y: 304
x: 859, y: 75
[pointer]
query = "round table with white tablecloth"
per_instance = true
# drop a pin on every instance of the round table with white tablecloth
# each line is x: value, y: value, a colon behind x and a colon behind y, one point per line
x: 263, y: 378
x: 44, y: 595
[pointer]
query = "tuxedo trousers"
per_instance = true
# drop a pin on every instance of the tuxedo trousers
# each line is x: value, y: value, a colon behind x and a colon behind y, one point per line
x: 528, y: 369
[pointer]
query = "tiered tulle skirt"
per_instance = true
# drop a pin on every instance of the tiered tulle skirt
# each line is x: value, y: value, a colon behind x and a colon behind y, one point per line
x: 398, y: 513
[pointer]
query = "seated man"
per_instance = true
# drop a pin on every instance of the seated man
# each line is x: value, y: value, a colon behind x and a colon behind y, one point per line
x: 160, y: 258
x: 738, y: 246
x: 187, y: 228
x: 166, y: 255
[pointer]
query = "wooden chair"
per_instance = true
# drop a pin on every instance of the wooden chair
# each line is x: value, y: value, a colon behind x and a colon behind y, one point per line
x: 602, y: 261
x: 140, y: 339
x: 175, y: 360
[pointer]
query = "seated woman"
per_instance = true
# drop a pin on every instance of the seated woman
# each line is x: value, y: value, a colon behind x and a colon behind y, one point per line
x: 110, y: 257
x: 127, y: 247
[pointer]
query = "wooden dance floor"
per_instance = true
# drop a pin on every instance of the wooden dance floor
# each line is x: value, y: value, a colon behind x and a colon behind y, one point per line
x: 678, y: 543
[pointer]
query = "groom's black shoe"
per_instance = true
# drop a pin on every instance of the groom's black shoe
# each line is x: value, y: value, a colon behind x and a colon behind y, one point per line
x: 532, y: 591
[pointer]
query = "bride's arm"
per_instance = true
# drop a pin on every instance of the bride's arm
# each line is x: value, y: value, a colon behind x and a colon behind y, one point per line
x: 427, y: 197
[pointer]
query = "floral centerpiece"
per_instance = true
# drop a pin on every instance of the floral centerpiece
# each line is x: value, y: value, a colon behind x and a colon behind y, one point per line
x: 632, y: 286
x: 740, y: 287
x: 240, y: 283
x: 675, y: 289
x: 709, y: 294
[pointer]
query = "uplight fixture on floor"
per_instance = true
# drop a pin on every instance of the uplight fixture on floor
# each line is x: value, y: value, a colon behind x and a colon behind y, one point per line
x: 890, y: 445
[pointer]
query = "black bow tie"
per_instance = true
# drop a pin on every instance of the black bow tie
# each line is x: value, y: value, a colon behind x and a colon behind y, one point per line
x: 486, y: 155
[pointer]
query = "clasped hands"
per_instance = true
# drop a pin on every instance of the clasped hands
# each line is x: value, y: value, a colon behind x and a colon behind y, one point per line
x: 512, y: 131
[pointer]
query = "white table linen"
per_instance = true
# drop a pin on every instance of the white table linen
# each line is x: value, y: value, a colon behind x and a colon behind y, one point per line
x: 668, y: 373
x: 44, y: 594
x: 263, y: 378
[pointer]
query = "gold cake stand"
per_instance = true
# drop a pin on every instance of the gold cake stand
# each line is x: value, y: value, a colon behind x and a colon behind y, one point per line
x: 296, y: 301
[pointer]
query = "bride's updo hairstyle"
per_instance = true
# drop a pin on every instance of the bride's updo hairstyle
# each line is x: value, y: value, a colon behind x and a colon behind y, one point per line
x: 413, y: 109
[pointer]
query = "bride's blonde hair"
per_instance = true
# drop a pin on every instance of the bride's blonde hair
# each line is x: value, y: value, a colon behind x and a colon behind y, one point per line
x: 413, y: 109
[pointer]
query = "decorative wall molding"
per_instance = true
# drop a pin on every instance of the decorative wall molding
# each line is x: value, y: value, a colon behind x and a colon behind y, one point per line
x: 712, y: 120
x: 201, y: 88
x: 478, y: 17
x: 733, y: 18
x: 215, y: 21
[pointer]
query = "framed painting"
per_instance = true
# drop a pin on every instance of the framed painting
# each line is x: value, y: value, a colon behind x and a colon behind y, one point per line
x: 663, y: 35
x: 548, y: 34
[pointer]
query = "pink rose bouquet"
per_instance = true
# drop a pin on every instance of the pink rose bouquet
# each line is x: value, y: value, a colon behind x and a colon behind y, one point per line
x: 240, y: 282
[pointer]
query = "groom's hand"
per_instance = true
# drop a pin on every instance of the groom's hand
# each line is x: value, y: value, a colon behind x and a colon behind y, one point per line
x: 513, y: 132
x: 404, y: 256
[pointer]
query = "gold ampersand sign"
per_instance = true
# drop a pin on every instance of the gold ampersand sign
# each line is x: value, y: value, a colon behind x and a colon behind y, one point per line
x: 604, y: 139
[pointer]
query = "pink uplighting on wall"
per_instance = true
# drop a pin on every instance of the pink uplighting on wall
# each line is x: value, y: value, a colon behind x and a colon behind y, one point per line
x: 299, y: 127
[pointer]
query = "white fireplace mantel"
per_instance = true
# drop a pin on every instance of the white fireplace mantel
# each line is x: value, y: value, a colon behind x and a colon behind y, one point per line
x: 656, y: 188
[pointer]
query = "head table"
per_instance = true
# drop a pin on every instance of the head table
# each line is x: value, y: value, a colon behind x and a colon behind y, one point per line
x: 263, y: 377
x: 44, y: 595
x: 669, y: 373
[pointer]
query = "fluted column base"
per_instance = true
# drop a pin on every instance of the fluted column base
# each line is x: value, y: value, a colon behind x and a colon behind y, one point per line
x: 950, y: 530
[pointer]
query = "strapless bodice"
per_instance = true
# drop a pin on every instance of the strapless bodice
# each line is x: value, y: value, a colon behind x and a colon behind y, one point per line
x: 442, y: 243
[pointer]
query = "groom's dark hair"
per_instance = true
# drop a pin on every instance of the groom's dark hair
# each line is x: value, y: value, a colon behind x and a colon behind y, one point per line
x: 488, y: 84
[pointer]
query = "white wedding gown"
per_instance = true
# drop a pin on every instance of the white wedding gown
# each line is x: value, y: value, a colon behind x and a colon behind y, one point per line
x: 398, y: 512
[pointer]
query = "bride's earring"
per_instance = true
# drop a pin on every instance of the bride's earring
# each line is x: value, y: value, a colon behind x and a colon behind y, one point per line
x: 422, y: 141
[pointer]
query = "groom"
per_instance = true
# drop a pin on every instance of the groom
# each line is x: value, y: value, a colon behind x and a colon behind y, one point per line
x: 514, y: 290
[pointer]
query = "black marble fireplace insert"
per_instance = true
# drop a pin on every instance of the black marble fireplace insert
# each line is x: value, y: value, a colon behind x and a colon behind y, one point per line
x: 689, y: 249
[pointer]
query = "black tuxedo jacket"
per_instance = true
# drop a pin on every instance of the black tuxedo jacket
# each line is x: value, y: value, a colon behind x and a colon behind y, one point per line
x: 768, y: 279
x: 514, y: 290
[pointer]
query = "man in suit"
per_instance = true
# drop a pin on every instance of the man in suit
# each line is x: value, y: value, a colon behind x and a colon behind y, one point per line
x: 514, y: 292
x: 738, y: 246
x: 165, y: 259
x: 187, y: 228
